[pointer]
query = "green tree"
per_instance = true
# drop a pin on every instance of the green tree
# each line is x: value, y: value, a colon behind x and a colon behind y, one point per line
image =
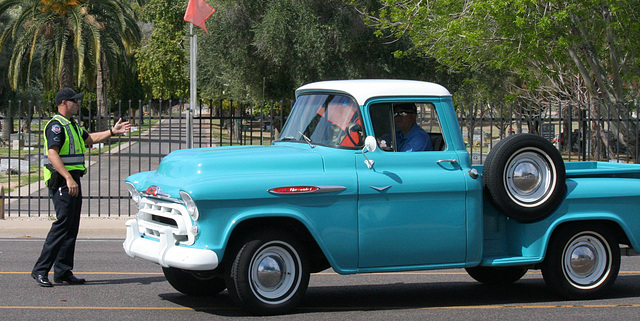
x: 540, y: 43
x: 5, y: 88
x: 119, y: 37
x: 162, y: 59
x: 277, y: 45
x: 77, y: 41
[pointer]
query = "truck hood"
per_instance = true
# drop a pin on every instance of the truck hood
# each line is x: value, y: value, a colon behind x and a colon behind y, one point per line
x: 231, y: 161
x: 194, y: 168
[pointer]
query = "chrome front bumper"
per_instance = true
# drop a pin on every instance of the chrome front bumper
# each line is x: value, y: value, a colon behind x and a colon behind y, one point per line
x: 165, y: 252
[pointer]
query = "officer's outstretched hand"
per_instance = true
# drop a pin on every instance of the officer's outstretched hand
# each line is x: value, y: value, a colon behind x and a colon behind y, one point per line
x: 121, y: 127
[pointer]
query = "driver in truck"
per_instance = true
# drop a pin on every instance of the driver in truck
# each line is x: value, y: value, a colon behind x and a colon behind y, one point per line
x: 409, y: 136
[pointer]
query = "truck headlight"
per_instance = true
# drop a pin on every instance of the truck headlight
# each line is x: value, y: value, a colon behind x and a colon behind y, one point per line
x: 190, y: 204
x: 135, y: 195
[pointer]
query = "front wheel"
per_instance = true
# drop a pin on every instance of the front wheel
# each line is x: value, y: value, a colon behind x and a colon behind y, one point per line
x: 582, y: 261
x: 269, y: 273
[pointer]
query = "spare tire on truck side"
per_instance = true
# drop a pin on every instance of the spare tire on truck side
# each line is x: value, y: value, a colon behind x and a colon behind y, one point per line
x: 524, y: 177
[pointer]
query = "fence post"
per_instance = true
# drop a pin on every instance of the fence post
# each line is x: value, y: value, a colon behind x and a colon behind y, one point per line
x: 1, y: 202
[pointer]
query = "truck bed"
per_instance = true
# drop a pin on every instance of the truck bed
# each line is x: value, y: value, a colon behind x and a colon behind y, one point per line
x: 602, y: 169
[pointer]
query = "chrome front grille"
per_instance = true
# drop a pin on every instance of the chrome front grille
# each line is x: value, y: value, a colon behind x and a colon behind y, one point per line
x: 156, y: 215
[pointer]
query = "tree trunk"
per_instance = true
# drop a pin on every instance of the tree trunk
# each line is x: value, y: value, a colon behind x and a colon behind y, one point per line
x: 598, y: 79
x: 101, y: 93
x: 66, y: 70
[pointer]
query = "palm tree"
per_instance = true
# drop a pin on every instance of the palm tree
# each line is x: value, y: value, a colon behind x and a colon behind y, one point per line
x: 76, y: 40
x: 120, y: 34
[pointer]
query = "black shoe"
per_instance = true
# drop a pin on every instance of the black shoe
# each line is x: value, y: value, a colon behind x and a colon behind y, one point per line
x: 42, y: 280
x: 71, y: 279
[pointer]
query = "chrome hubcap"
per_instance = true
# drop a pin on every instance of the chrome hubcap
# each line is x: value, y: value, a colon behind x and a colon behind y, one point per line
x: 583, y: 260
x: 270, y: 272
x: 528, y: 179
x: 275, y: 272
x: 587, y: 261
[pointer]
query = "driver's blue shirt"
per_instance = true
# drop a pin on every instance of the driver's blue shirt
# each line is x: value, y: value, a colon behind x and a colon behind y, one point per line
x: 416, y: 140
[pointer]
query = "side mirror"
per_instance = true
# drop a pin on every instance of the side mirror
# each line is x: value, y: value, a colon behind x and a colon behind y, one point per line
x: 370, y: 145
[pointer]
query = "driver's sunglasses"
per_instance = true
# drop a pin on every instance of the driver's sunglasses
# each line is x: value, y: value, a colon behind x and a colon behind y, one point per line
x: 75, y: 101
x: 403, y: 113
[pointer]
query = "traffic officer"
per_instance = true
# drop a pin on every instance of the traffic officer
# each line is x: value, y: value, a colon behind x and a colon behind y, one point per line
x: 64, y: 165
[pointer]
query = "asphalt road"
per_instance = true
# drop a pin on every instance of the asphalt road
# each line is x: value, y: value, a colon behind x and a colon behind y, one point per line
x: 121, y: 288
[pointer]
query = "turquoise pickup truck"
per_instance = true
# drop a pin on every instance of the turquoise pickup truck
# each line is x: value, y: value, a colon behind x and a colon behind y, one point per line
x: 334, y: 191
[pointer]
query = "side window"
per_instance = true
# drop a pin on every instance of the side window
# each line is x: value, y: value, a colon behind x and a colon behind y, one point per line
x: 407, y: 127
x: 383, y: 127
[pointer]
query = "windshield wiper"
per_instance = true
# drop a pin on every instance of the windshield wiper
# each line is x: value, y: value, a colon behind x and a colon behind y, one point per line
x: 307, y: 140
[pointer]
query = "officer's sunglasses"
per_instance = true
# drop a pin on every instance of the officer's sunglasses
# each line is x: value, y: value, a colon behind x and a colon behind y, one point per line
x: 75, y: 101
x: 403, y: 113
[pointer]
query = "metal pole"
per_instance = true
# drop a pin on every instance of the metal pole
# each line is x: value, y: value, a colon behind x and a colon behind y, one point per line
x: 2, y: 203
x: 193, y: 78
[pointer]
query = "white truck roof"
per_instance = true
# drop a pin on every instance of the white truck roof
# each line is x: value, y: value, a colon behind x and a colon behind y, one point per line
x: 365, y: 89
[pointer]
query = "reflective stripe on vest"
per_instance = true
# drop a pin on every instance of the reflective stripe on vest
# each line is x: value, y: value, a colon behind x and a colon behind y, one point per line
x: 67, y: 159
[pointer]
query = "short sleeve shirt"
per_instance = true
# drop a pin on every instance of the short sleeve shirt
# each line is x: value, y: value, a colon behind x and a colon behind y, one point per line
x: 55, y: 133
x: 416, y: 140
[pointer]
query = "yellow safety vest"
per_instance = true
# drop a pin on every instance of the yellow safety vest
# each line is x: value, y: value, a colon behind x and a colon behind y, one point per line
x: 71, y: 152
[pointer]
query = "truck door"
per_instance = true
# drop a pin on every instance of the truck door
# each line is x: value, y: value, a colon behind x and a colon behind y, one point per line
x: 411, y: 208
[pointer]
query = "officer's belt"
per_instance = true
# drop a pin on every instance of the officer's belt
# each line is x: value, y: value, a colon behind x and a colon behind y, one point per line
x: 67, y: 159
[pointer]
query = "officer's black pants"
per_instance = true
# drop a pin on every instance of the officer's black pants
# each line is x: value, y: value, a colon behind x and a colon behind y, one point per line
x: 59, y: 247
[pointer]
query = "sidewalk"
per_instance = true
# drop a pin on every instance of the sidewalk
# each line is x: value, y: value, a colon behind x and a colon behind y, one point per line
x: 38, y: 227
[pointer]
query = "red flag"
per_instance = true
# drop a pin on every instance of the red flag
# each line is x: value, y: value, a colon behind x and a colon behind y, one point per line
x: 198, y: 11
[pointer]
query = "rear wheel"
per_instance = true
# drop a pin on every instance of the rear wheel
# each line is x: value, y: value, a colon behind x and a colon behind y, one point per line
x: 582, y: 261
x: 496, y: 275
x: 269, y: 274
x: 195, y: 283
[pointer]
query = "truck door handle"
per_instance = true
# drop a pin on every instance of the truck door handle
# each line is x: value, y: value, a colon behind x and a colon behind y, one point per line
x: 453, y: 161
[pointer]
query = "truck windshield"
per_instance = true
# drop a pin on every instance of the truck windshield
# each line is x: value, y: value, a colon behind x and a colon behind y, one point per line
x: 328, y: 120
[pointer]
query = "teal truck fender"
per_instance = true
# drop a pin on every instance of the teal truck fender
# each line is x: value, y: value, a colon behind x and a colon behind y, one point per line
x: 509, y: 243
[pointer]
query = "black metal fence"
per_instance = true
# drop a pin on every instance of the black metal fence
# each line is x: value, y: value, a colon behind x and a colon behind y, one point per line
x: 160, y: 127
x: 591, y: 132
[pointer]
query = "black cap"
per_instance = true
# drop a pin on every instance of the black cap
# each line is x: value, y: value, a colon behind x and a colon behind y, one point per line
x: 406, y: 106
x: 67, y: 94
